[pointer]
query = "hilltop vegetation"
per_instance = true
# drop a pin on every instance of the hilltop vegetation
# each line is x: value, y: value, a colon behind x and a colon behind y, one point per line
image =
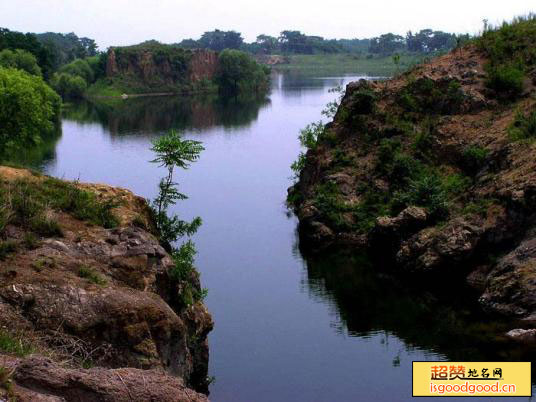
x: 434, y: 170
x: 296, y: 42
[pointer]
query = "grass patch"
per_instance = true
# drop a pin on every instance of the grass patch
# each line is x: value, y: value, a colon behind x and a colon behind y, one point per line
x: 7, y: 247
x: 91, y: 275
x: 15, y: 345
x: 27, y: 203
x: 327, y: 64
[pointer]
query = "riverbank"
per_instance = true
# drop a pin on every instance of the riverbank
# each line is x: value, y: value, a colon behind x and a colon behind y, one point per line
x: 335, y: 64
x: 434, y: 172
x: 87, y: 293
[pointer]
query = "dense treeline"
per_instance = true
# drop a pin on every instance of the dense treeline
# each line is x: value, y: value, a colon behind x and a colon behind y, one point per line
x: 51, y: 50
x: 65, y: 48
x: 296, y: 42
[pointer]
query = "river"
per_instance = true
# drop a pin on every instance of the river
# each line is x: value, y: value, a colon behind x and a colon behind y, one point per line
x: 287, y: 327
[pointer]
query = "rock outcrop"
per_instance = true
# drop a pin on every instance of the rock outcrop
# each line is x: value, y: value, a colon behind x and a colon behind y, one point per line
x: 428, y: 171
x: 102, y: 298
x: 156, y: 67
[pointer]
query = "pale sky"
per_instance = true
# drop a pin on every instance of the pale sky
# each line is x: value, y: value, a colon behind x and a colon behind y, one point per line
x: 125, y: 22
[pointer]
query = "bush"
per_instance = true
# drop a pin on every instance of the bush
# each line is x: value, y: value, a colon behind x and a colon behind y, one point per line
x: 79, y: 68
x: 523, y: 127
x: 69, y: 86
x: 473, y: 158
x: 425, y: 191
x: 505, y: 80
x: 238, y: 72
x: 428, y: 96
x: 29, y: 109
x: 21, y: 60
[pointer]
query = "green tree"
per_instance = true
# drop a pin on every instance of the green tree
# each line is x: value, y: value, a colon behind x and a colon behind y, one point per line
x: 29, y: 42
x: 69, y: 86
x: 218, y: 40
x: 20, y: 59
x: 29, y: 109
x: 172, y: 151
x: 239, y: 73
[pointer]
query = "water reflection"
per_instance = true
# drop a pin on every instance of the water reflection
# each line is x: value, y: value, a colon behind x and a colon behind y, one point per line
x: 351, y: 332
x: 34, y: 156
x: 156, y: 114
x: 366, y: 302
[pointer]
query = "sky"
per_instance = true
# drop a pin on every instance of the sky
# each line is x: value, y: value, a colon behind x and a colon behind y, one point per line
x: 125, y: 22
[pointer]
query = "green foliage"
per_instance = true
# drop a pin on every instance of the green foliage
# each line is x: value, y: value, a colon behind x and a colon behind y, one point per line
x: 69, y: 86
x: 65, y: 48
x: 523, y: 127
x: 15, y: 345
x: 424, y: 139
x: 172, y: 151
x: 183, y: 259
x: 238, y: 72
x: 473, y: 158
x: 425, y: 191
x: 511, y: 42
x: 479, y: 206
x: 16, y: 40
x: 425, y: 95
x: 91, y: 275
x: 79, y: 68
x: 21, y: 60
x: 511, y: 53
x: 455, y: 184
x: 29, y: 109
x: 7, y: 247
x: 310, y: 134
x: 505, y: 80
x: 26, y: 203
x: 298, y: 165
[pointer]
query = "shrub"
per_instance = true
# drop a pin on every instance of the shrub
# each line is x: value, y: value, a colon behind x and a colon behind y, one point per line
x: 238, y: 72
x: 473, y: 158
x: 79, y: 68
x: 425, y: 191
x: 69, y: 86
x: 505, y: 80
x: 425, y: 95
x: 29, y: 109
x: 7, y: 247
x: 523, y: 127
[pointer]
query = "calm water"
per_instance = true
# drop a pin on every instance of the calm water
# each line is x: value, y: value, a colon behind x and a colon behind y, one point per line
x: 288, y: 328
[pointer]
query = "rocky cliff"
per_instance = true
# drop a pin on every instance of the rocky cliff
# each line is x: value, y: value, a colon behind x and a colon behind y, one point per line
x: 158, y: 67
x: 434, y: 171
x: 89, y: 310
